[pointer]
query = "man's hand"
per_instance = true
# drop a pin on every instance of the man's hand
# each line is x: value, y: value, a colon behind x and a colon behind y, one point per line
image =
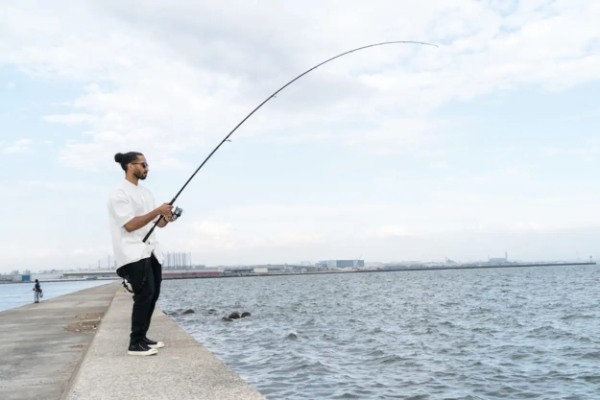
x: 169, y: 217
x: 164, y: 210
x: 173, y: 214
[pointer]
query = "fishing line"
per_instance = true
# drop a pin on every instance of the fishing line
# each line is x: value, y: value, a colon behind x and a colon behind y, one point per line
x: 226, y: 138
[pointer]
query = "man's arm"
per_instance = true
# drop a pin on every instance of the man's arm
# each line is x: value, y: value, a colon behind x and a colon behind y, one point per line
x: 143, y: 220
x: 165, y: 220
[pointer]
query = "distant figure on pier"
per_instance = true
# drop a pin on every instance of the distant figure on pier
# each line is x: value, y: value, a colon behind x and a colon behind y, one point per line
x: 132, y: 212
x: 37, y: 292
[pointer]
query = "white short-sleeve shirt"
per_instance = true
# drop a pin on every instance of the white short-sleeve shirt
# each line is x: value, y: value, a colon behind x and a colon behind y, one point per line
x: 126, y: 202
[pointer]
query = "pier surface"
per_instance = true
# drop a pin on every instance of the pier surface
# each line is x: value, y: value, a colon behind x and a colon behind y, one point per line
x: 75, y: 347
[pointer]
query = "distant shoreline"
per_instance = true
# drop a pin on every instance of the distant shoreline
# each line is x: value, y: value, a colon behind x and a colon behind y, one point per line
x: 389, y: 269
x: 197, y: 274
x: 481, y: 266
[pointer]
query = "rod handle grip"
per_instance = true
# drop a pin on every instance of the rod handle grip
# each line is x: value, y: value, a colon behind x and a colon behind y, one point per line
x: 152, y: 229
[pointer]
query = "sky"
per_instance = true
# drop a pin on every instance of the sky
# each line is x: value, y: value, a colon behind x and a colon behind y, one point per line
x: 485, y: 145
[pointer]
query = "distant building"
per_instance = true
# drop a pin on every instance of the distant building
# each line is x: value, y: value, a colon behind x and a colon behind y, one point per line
x: 498, y: 261
x: 177, y: 261
x: 16, y: 277
x: 341, y: 264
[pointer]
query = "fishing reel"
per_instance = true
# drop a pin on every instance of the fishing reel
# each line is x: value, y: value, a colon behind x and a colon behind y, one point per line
x: 176, y: 213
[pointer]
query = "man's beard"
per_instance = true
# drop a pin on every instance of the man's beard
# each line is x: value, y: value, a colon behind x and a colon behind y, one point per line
x: 140, y: 176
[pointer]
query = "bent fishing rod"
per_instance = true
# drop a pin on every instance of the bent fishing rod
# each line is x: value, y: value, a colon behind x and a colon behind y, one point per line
x: 226, y: 138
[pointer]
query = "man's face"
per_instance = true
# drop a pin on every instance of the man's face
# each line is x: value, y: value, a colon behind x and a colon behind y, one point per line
x: 140, y: 167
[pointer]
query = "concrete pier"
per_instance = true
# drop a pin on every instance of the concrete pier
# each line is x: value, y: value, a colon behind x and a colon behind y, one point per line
x: 75, y: 347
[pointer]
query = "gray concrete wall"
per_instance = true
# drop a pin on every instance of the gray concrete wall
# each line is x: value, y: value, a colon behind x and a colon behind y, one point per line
x: 75, y: 347
x: 42, y: 345
x: 182, y: 370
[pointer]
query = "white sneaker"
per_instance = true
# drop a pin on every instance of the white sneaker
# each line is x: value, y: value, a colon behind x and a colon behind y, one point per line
x: 153, y: 344
x: 141, y: 349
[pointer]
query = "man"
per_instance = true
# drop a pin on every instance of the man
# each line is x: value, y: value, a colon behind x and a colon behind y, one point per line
x: 132, y: 213
x: 37, y: 292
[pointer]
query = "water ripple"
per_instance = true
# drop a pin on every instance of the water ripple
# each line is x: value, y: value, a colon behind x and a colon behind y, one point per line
x: 479, y: 334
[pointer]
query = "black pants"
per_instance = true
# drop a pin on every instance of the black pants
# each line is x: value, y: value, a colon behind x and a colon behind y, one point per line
x: 145, y: 277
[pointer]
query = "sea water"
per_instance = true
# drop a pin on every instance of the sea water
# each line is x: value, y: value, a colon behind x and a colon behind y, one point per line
x: 510, y: 333
x: 14, y: 295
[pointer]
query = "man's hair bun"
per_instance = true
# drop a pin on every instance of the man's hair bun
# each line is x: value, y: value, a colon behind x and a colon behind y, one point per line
x: 126, y: 158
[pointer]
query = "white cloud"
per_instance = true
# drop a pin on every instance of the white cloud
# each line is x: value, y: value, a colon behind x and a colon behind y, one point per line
x: 20, y: 146
x: 283, y: 232
x: 214, y: 235
x: 70, y: 119
x: 195, y: 83
x: 446, y: 212
x: 391, y: 231
x: 57, y: 186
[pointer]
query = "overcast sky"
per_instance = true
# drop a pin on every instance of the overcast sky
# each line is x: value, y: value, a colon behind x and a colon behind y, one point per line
x: 487, y: 144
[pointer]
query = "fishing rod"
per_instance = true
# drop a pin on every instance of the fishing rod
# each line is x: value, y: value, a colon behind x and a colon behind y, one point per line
x: 226, y: 138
